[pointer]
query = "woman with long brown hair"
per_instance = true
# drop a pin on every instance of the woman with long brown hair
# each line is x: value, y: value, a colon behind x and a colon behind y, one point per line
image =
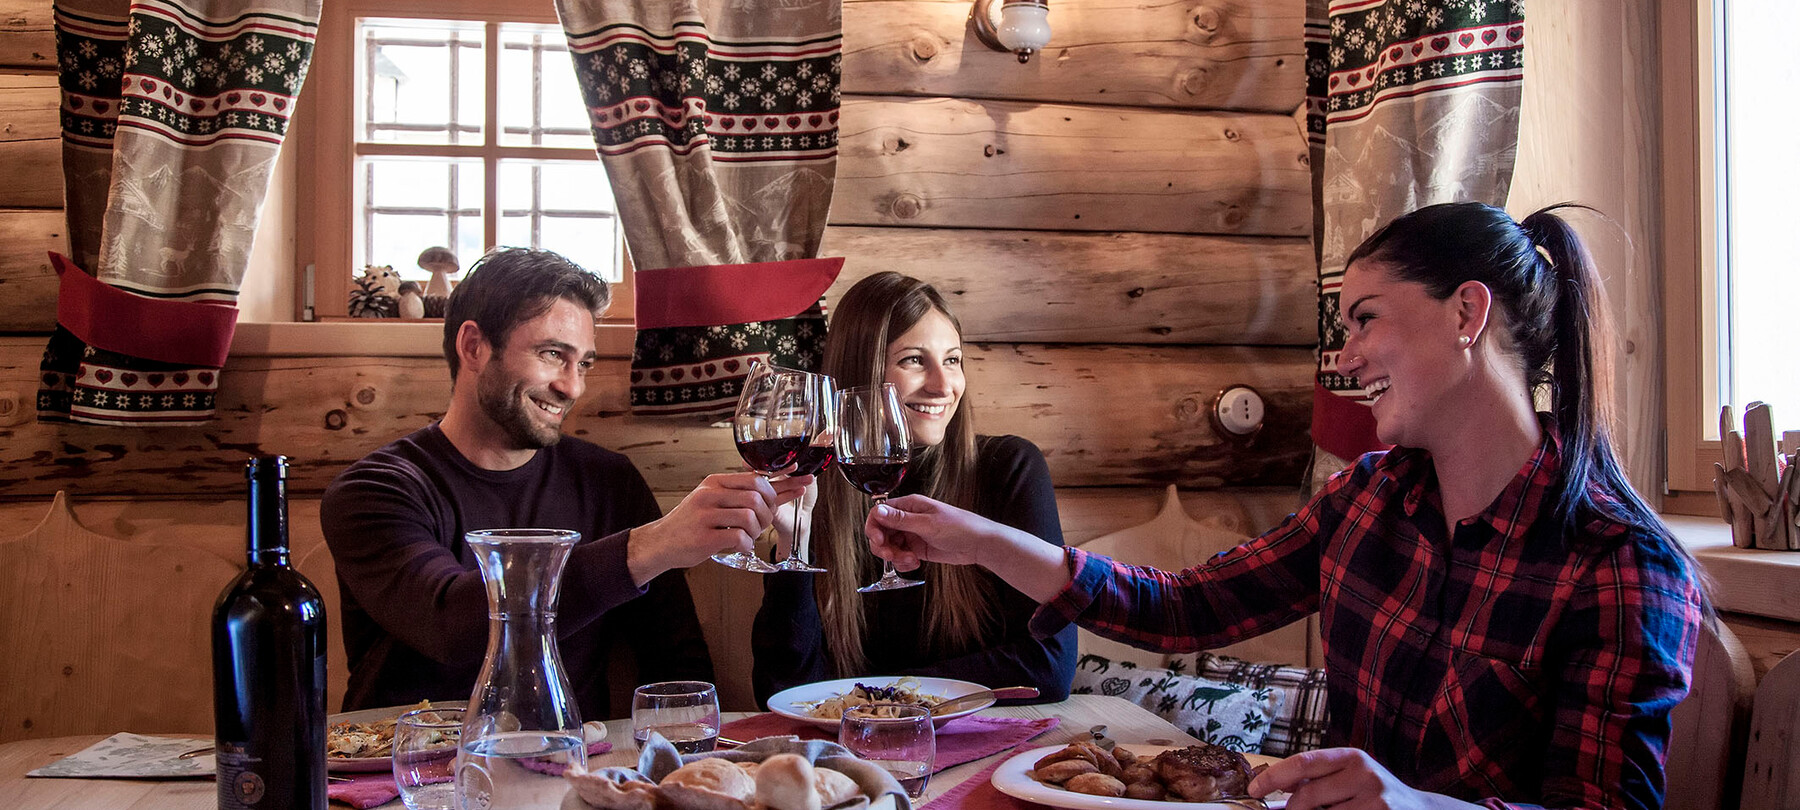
x: 963, y: 622
x: 1504, y: 620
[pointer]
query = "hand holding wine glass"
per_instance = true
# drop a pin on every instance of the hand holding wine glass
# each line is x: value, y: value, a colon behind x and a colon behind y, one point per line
x: 873, y: 447
x: 770, y: 428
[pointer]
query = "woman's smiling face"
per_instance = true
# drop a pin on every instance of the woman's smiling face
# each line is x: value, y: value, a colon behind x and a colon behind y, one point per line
x: 1402, y: 348
x: 925, y: 365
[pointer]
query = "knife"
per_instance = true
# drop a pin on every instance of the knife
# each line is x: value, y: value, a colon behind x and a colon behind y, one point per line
x: 962, y: 702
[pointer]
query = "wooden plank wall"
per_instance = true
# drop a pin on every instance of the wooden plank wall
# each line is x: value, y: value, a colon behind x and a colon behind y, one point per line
x: 1122, y: 225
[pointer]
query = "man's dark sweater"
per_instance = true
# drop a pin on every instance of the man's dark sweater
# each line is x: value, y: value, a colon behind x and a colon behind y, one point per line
x: 414, y: 608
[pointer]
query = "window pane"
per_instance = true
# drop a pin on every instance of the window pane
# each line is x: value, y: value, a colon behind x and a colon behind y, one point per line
x: 542, y: 104
x: 1763, y: 170
x: 410, y: 204
x: 565, y: 206
x: 421, y: 81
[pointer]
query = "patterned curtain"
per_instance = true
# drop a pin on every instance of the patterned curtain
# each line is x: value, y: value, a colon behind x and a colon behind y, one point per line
x: 1409, y: 103
x: 173, y: 112
x: 717, y: 123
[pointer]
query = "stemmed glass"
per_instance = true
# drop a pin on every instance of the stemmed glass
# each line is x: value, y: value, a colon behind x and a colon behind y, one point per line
x: 821, y: 406
x: 770, y: 430
x: 872, y: 450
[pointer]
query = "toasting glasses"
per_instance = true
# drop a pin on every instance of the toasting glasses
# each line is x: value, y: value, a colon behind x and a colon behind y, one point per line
x: 872, y: 450
x: 771, y: 428
x: 820, y: 404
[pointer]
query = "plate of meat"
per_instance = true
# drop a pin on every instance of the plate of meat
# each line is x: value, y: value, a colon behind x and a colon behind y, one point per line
x: 1082, y: 776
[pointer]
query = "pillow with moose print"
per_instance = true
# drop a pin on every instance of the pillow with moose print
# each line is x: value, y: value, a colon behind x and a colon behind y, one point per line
x: 1226, y: 714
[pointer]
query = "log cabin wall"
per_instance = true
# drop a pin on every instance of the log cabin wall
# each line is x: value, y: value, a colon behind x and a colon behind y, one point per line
x: 1122, y: 225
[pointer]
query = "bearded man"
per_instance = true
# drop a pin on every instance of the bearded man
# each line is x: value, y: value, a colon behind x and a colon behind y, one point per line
x: 519, y: 338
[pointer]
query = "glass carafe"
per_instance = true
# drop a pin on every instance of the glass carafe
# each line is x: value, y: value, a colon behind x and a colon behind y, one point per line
x: 522, y: 728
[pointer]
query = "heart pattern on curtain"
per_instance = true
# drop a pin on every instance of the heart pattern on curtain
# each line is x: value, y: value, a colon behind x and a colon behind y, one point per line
x: 173, y: 112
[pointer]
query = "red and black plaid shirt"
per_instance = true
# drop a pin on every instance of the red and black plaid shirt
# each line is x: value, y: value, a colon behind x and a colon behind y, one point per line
x: 1500, y: 664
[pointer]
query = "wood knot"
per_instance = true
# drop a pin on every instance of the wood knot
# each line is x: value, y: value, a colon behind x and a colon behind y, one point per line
x: 12, y: 408
x: 991, y: 150
x: 1630, y: 347
x: 68, y: 669
x: 924, y: 47
x: 1188, y: 408
x: 1137, y: 292
x: 336, y: 419
x: 894, y: 145
x: 1305, y: 159
x: 1207, y: 20
x: 1233, y: 217
x: 906, y: 206
x: 1232, y: 135
x: 365, y: 396
x: 1195, y: 81
x: 1162, y: 330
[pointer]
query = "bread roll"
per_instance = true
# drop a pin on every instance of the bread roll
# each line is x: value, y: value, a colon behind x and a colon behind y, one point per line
x: 786, y: 782
x: 709, y: 784
x: 833, y: 786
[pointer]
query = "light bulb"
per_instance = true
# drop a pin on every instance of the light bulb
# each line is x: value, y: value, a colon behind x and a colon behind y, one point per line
x: 1024, y: 26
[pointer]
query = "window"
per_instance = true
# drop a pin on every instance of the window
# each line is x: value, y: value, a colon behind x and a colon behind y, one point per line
x: 1732, y: 295
x: 454, y: 125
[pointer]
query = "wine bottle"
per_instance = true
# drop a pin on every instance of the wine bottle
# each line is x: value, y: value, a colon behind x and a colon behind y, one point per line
x: 268, y: 648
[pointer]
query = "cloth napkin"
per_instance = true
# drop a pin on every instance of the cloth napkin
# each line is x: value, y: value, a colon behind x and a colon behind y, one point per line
x: 378, y: 788
x: 964, y: 739
x: 978, y: 791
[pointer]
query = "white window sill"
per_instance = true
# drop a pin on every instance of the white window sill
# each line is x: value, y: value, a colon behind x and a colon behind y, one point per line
x: 1745, y: 580
x: 376, y: 338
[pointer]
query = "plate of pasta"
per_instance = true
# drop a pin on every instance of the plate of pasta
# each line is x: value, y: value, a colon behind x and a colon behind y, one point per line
x: 824, y: 702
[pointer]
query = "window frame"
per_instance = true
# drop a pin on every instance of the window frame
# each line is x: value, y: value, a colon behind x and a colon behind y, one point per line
x: 1690, y: 251
x: 326, y: 140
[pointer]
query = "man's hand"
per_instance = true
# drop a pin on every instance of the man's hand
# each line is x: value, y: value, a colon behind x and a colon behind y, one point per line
x: 725, y: 513
x: 1343, y: 777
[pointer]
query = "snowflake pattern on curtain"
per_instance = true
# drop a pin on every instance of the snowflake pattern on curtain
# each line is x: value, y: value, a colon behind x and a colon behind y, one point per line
x: 718, y: 125
x: 172, y: 117
x: 1409, y: 103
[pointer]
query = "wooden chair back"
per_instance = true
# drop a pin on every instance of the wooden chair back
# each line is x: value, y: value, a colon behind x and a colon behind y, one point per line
x: 105, y: 635
x: 1705, y: 760
x: 1772, y: 763
x: 1173, y: 540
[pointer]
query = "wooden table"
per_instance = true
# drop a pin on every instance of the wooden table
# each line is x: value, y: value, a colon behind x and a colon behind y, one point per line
x: 1125, y: 722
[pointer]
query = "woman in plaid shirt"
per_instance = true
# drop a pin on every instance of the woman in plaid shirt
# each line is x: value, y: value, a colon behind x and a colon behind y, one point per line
x: 1505, y: 621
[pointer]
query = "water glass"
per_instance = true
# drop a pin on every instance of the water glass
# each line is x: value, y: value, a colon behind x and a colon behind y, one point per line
x: 686, y: 713
x: 425, y: 743
x: 895, y: 736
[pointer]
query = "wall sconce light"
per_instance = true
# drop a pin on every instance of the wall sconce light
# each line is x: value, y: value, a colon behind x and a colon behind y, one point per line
x: 1019, y: 26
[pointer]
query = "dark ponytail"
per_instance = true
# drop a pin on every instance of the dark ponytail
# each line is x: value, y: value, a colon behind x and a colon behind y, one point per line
x: 1554, y: 307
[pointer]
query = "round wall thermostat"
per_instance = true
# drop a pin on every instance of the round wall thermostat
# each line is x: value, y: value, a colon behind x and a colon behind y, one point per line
x: 1238, y: 411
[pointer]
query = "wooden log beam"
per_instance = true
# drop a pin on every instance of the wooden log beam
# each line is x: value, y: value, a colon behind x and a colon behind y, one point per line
x: 31, y: 142
x: 1105, y: 416
x: 1075, y: 287
x: 27, y: 39
x: 1218, y: 54
x: 963, y: 163
x: 27, y: 284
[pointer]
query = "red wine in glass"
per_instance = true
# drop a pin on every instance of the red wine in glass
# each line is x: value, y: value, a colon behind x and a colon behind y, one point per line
x: 874, y: 475
x: 768, y: 456
x: 813, y: 459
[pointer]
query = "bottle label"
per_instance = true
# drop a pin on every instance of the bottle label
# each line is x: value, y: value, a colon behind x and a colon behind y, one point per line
x: 240, y: 786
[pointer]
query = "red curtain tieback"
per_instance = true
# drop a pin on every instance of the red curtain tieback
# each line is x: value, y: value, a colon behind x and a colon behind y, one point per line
x: 1342, y: 426
x: 105, y: 317
x: 720, y: 294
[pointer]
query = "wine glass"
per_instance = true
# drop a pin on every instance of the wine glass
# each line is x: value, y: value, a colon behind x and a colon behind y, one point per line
x: 424, y: 753
x: 897, y: 737
x: 821, y: 406
x: 686, y: 713
x: 872, y: 450
x: 770, y: 429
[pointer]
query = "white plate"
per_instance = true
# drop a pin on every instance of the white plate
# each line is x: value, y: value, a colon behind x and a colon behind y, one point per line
x: 372, y: 764
x: 1013, y: 778
x: 790, y: 702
